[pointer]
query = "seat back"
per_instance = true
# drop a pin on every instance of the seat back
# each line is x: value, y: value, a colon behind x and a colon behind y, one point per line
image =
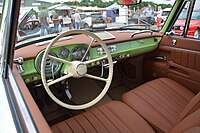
x: 193, y: 106
x: 190, y: 124
x: 189, y: 120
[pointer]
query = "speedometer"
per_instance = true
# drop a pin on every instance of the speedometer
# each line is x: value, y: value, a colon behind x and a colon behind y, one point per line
x: 64, y: 53
x: 79, y: 52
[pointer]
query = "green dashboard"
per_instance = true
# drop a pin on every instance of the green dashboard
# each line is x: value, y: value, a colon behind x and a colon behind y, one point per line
x: 72, y: 52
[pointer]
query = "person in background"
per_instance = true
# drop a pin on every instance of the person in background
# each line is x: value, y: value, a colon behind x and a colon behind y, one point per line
x: 149, y: 13
x: 77, y: 20
x: 104, y: 14
x: 70, y: 19
x: 55, y: 19
x: 44, y: 21
x: 158, y: 18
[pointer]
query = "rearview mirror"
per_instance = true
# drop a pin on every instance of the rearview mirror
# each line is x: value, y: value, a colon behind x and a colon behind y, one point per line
x: 128, y: 2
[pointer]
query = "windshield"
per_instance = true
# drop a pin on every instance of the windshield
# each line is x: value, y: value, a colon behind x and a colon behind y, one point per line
x: 196, y: 15
x: 48, y: 17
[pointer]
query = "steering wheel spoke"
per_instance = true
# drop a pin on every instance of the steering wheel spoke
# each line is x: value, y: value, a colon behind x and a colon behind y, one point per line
x: 95, y: 77
x: 77, y: 69
x: 95, y: 60
x: 59, y: 60
x: 60, y: 79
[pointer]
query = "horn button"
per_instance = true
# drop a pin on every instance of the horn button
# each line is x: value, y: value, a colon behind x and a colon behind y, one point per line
x: 81, y: 69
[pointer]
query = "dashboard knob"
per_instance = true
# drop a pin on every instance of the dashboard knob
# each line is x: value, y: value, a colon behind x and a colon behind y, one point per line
x: 98, y: 63
x: 27, y: 80
x: 92, y: 64
x: 35, y: 78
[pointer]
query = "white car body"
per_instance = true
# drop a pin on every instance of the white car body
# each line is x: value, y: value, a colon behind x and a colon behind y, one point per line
x: 165, y: 13
x: 88, y: 20
x: 66, y: 20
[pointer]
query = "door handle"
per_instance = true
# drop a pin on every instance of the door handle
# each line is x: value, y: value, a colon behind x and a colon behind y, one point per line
x: 174, y: 42
x: 161, y: 58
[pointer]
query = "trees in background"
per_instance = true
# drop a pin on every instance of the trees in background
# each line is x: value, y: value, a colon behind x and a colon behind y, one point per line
x: 103, y: 4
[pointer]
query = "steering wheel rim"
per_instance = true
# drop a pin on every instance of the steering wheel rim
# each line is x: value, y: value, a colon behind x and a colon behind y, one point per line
x: 75, y: 65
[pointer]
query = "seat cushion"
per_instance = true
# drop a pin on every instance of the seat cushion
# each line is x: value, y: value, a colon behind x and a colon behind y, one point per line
x: 160, y: 102
x: 112, y: 117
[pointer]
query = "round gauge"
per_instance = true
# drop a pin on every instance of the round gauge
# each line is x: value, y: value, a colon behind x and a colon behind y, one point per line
x: 64, y: 53
x: 51, y: 65
x: 79, y: 52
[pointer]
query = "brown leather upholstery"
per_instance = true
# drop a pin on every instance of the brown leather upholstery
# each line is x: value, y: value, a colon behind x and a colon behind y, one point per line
x: 160, y: 102
x: 190, y: 124
x: 193, y: 106
x: 112, y: 117
x: 167, y: 106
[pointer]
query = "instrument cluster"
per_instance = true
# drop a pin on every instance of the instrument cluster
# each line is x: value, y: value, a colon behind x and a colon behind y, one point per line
x: 80, y: 53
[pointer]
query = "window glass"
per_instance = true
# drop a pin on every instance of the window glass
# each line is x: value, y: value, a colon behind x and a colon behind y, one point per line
x: 39, y: 18
x: 194, y: 27
x: 194, y: 24
x: 179, y: 25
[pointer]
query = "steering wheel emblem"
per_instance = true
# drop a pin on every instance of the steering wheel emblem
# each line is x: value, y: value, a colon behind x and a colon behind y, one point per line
x: 81, y: 69
x: 77, y: 69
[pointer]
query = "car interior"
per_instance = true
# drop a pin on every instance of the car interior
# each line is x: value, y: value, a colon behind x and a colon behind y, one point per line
x: 113, y: 81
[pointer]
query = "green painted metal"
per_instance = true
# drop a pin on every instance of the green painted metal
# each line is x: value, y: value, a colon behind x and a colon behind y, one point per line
x: 29, y: 67
x: 133, y: 48
x: 30, y: 71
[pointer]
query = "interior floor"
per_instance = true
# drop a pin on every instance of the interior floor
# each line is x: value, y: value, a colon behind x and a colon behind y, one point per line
x: 127, y: 75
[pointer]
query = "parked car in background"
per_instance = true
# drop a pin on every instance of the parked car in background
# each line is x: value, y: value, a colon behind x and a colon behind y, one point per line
x: 92, y: 20
x: 141, y: 19
x: 194, y: 27
x: 165, y: 13
x: 65, y: 20
x: 29, y: 25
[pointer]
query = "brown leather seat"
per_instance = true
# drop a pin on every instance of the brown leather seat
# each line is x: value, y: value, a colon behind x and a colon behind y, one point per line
x: 190, y: 124
x: 165, y: 104
x: 161, y: 102
x: 113, y: 117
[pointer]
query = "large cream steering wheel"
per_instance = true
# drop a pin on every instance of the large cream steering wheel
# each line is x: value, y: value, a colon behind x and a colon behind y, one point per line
x: 77, y: 69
